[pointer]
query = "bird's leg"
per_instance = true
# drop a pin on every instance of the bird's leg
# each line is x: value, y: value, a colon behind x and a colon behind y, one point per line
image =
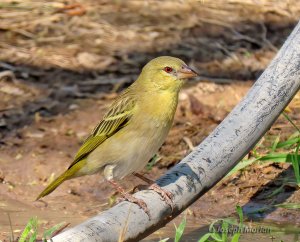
x: 166, y: 195
x: 145, y: 179
x: 129, y: 197
x: 117, y: 186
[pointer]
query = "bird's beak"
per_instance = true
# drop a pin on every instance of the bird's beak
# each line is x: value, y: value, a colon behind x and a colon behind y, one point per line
x: 186, y: 72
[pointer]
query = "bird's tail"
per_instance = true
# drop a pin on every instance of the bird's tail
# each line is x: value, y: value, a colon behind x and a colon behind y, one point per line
x: 68, y: 174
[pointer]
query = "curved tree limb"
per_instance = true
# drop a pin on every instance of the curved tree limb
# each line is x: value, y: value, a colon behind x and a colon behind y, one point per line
x: 210, y: 161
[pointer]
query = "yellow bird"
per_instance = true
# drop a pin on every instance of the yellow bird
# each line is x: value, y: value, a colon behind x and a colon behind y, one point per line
x: 133, y: 129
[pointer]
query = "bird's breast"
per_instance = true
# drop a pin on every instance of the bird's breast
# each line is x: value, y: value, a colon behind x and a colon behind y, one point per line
x: 159, y: 106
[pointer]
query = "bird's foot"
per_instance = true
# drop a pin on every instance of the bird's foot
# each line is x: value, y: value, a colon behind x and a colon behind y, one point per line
x: 128, y: 197
x: 139, y: 202
x: 145, y: 179
x: 166, y: 195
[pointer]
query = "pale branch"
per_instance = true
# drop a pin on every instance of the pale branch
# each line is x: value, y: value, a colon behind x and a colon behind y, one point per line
x: 210, y: 161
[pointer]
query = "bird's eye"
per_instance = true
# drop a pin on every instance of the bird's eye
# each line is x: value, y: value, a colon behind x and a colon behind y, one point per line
x: 168, y: 69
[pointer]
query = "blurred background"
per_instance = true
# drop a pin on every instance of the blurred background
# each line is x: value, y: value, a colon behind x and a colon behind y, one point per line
x: 63, y: 62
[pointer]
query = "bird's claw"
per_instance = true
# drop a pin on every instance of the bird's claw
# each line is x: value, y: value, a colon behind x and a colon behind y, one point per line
x: 166, y: 195
x: 139, y: 202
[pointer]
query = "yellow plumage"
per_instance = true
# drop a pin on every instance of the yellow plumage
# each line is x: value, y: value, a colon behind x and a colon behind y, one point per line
x: 134, y: 127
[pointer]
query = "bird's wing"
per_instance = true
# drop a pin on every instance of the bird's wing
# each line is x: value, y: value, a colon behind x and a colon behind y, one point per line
x: 114, y: 120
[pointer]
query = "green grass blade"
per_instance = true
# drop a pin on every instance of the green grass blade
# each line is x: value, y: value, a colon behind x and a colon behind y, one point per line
x: 30, y: 229
x: 291, y: 121
x: 34, y: 230
x: 276, y: 157
x: 216, y: 237
x: 152, y: 162
x: 297, y: 148
x: 33, y: 236
x: 225, y: 226
x: 180, y: 229
x: 294, y: 135
x: 25, y: 232
x: 296, y: 164
x: 288, y: 205
x: 293, y: 158
x: 49, y: 232
x: 288, y: 143
x: 241, y: 165
x: 205, y: 237
x: 275, y: 143
x: 276, y: 191
x: 236, y: 237
x: 239, y: 211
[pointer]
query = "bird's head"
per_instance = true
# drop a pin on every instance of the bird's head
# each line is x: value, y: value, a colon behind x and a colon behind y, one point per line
x: 165, y: 73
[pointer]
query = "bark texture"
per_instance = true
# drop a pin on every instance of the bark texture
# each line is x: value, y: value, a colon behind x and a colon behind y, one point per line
x: 210, y: 161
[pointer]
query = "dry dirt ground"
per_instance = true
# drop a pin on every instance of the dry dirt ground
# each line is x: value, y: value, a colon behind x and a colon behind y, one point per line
x: 61, y: 69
